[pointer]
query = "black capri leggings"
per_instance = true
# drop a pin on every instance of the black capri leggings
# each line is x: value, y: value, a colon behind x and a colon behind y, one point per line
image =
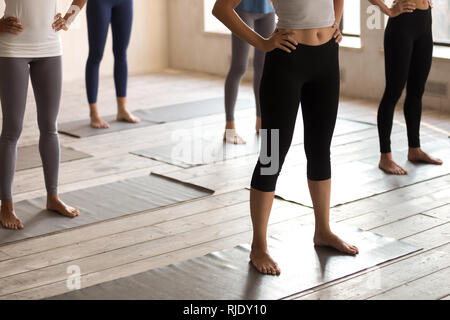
x: 408, y: 46
x: 310, y: 76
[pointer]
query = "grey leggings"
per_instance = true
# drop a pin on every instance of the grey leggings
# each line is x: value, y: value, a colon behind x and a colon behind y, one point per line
x: 264, y: 24
x: 46, y: 78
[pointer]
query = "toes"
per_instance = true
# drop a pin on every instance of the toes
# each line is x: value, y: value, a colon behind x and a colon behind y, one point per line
x: 273, y: 271
x: 277, y: 270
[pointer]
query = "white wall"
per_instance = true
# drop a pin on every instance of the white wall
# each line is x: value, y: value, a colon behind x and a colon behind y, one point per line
x: 148, y: 47
x: 363, y: 69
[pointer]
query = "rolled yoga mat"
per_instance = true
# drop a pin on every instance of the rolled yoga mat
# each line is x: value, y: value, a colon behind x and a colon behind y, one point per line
x: 29, y: 157
x: 228, y: 275
x: 187, y: 153
x: 359, y: 179
x: 153, y: 116
x: 102, y: 203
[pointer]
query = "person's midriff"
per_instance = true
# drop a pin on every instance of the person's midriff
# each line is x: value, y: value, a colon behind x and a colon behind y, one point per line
x: 421, y: 4
x: 312, y: 37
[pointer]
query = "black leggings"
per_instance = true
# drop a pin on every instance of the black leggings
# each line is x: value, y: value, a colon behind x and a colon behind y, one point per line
x: 408, y: 46
x: 309, y: 75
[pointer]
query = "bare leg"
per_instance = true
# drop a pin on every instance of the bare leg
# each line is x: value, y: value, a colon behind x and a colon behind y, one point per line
x: 8, y: 218
x: 388, y: 165
x: 56, y: 205
x: 258, y: 125
x: 320, y: 195
x: 96, y: 121
x: 260, y: 207
x: 123, y: 114
x: 418, y: 155
x: 230, y: 135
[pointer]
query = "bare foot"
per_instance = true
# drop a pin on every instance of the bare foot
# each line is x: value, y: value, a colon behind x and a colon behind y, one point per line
x: 126, y: 116
x: 329, y: 239
x: 56, y: 205
x: 98, y: 123
x: 231, y: 136
x: 418, y: 155
x: 258, y: 125
x: 264, y: 263
x: 388, y: 165
x: 8, y: 218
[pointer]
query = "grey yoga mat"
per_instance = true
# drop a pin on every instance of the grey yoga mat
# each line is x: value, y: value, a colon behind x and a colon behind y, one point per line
x: 360, y: 179
x: 228, y: 275
x: 82, y: 128
x: 29, y: 158
x: 153, y: 116
x: 102, y: 203
x: 188, y: 153
x: 194, y: 109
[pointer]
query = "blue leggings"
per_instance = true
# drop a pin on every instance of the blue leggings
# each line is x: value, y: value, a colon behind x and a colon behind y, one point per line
x: 100, y: 14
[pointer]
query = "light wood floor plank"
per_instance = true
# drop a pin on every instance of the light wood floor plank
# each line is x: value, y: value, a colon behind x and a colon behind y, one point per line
x: 430, y: 287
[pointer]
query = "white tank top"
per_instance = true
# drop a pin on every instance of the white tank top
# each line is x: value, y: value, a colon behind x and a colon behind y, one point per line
x: 304, y: 14
x: 38, y: 39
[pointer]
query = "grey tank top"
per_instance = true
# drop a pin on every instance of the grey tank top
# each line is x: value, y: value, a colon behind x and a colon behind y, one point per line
x: 304, y: 14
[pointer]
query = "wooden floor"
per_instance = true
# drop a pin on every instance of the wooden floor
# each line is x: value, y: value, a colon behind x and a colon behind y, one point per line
x: 37, y: 268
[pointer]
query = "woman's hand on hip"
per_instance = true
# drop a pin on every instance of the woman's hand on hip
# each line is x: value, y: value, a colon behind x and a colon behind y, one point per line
x: 283, y: 40
x: 402, y: 6
x: 59, y: 23
x: 337, y: 33
x: 10, y: 25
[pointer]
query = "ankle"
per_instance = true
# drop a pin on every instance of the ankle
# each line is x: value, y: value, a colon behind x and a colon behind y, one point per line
x: 322, y: 231
x: 230, y: 125
x: 259, y: 246
x: 95, y: 114
x: 52, y: 198
x: 414, y: 150
x: 386, y: 156
x: 7, y: 206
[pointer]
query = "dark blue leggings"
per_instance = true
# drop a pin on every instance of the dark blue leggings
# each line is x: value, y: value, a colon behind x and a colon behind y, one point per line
x: 101, y: 13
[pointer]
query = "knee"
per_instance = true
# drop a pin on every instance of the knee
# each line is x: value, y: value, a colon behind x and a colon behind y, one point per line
x: 11, y: 133
x: 48, y: 128
x: 415, y: 91
x: 319, y: 170
x: 95, y: 57
x: 238, y: 69
x: 120, y: 55
x: 265, y: 178
x: 391, y: 97
x: 268, y: 169
x: 318, y: 164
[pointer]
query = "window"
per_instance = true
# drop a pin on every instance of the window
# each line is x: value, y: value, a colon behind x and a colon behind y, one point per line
x: 211, y: 24
x: 351, y: 24
x: 441, y: 22
x: 351, y: 20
